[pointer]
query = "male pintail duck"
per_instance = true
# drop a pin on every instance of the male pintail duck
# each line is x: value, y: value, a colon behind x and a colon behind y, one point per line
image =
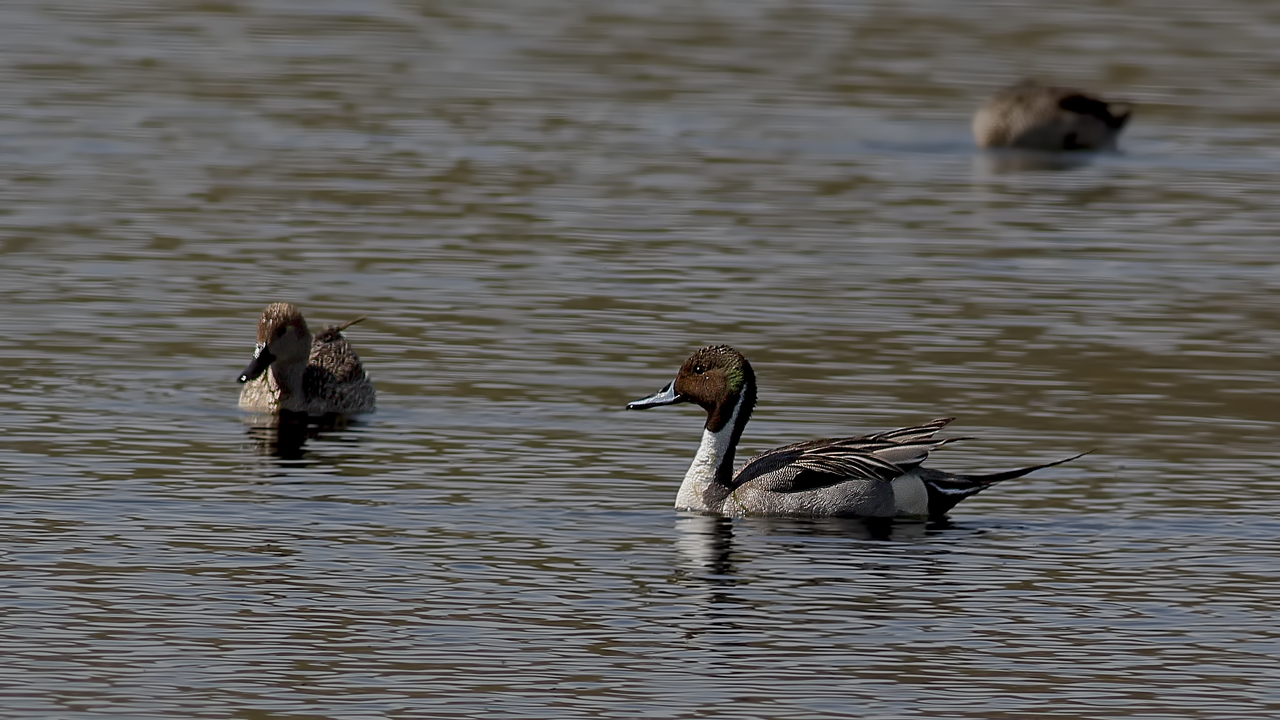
x: 870, y: 476
x: 315, y: 375
x: 1033, y: 116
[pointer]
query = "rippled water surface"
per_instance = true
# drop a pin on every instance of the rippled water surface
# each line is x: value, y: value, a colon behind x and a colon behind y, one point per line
x: 543, y: 207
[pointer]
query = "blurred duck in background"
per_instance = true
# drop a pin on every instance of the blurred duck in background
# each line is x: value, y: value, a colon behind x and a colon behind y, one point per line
x: 1034, y: 116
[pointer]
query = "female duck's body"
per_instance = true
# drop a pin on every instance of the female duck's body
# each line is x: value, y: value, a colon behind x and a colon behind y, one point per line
x: 296, y: 372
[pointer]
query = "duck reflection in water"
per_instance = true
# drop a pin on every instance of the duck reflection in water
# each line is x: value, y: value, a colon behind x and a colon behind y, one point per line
x: 721, y: 555
x: 284, y: 435
x: 705, y: 542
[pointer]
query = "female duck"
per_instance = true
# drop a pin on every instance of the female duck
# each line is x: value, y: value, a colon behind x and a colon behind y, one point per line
x: 314, y: 375
x: 869, y: 476
x: 1032, y: 116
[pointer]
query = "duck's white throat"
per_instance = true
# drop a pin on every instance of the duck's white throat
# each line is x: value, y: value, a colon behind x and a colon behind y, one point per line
x: 711, y: 453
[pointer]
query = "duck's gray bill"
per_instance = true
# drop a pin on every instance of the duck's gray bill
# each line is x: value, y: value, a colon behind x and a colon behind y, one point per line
x: 261, y: 361
x: 665, y: 396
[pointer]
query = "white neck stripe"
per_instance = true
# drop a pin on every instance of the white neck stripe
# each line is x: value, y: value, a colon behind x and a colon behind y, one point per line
x: 711, y: 453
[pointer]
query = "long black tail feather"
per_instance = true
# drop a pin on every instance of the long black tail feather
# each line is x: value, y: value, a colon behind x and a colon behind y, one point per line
x: 946, y: 490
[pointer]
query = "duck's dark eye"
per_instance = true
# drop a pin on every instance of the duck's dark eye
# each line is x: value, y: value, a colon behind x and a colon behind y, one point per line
x: 699, y: 369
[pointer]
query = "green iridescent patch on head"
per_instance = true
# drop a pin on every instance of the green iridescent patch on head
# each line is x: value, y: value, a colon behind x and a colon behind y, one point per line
x: 730, y: 361
x: 735, y: 377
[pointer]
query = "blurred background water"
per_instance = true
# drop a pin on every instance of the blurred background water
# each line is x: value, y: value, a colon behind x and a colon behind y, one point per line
x: 543, y: 207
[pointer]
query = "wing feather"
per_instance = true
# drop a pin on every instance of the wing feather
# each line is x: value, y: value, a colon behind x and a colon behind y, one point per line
x: 819, y: 463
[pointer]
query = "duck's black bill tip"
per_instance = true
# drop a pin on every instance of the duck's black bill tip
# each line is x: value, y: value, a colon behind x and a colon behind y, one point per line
x: 666, y: 396
x: 261, y: 361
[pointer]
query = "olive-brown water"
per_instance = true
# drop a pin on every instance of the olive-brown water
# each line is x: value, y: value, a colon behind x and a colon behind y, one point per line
x: 543, y: 207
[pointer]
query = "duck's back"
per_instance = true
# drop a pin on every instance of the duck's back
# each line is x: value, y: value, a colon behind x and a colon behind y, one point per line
x: 334, y: 380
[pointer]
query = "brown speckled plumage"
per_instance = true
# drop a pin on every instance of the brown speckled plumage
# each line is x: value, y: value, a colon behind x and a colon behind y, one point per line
x: 301, y: 373
x: 1034, y: 116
